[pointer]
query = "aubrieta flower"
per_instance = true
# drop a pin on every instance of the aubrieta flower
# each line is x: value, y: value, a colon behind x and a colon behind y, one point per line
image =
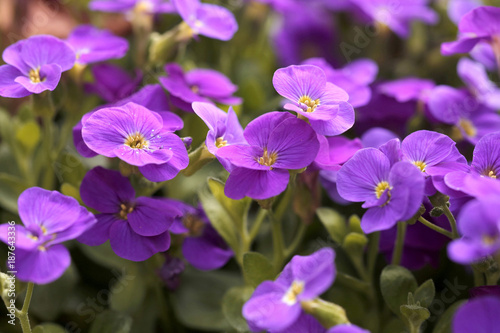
x: 112, y: 83
x: 93, y: 45
x: 322, y: 103
x: 207, y: 19
x: 398, y: 16
x: 477, y: 315
x: 198, y: 85
x: 224, y: 129
x: 137, y: 136
x: 474, y: 75
x: 483, y: 53
x: 137, y: 228
x: 355, y: 78
x: 49, y: 219
x: 478, y: 224
x: 275, y: 305
x: 34, y: 65
x: 480, y: 24
x: 391, y: 194
x: 277, y: 142
x: 128, y: 6
x: 203, y: 247
x: 458, y: 8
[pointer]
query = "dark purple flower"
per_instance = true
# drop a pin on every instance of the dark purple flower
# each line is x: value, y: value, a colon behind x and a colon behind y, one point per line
x: 136, y: 228
x: 480, y: 24
x: 170, y: 271
x: 224, y: 129
x: 304, y: 324
x: 112, y: 83
x: 391, y: 194
x: 198, y: 85
x: 49, y: 219
x: 278, y: 142
x: 207, y: 19
x: 477, y: 315
x: 93, y: 45
x: 129, y: 6
x: 396, y: 15
x: 321, y: 102
x: 482, y: 291
x: 355, y: 78
x: 137, y: 136
x: 34, y: 65
x: 275, y: 305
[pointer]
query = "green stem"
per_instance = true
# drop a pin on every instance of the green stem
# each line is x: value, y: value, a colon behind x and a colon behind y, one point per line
x: 48, y: 139
x: 278, y: 242
x: 22, y: 314
x: 399, y: 244
x: 299, y: 236
x: 372, y: 254
x: 435, y: 227
x: 478, y: 277
x: 451, y: 219
x: 261, y: 216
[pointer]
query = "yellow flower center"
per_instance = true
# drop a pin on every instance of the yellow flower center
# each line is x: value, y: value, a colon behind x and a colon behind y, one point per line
x: 195, y: 89
x: 194, y: 224
x: 35, y: 75
x: 488, y: 240
x: 381, y: 187
x: 220, y: 142
x: 309, y: 103
x: 136, y: 141
x: 492, y: 174
x: 468, y: 128
x: 125, y: 209
x: 421, y: 165
x: 295, y: 290
x: 143, y: 7
x: 268, y: 159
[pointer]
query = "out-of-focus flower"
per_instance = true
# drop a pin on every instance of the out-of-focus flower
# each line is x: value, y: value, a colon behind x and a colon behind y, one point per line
x: 198, y: 85
x: 458, y: 8
x: 322, y: 103
x: 347, y: 328
x: 137, y: 136
x: 483, y: 53
x: 171, y: 270
x: 398, y: 15
x: 278, y: 142
x: 354, y: 78
x: 480, y: 24
x: 136, y: 228
x: 93, y: 45
x: 49, y: 219
x: 112, y: 83
x: 275, y: 305
x: 207, y: 19
x: 477, y: 315
x: 391, y: 194
x: 476, y: 79
x: 224, y: 129
x: 128, y: 6
x: 34, y: 65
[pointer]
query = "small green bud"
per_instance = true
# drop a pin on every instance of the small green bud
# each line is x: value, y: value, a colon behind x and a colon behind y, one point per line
x: 328, y: 314
x: 437, y: 211
x: 355, y: 224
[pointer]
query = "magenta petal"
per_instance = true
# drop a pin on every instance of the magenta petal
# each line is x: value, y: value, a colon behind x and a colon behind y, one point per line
x: 152, y: 216
x: 477, y: 315
x: 333, y: 94
x: 293, y: 82
x: 463, y: 45
x: 42, y: 267
x: 9, y: 87
x: 256, y: 184
x: 427, y: 146
x: 210, y: 83
x: 12, y: 56
x: 99, y: 232
x: 266, y: 310
x: 50, y: 75
x: 258, y: 130
x: 129, y: 245
x: 216, y: 22
x: 22, y: 235
x: 343, y: 121
x: 44, y: 50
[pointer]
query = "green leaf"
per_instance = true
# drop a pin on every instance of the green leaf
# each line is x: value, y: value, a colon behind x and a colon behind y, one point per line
x: 414, y: 316
x: 425, y: 293
x: 28, y: 135
x: 111, y: 322
x: 69, y: 169
x: 71, y: 191
x: 257, y: 268
x: 445, y: 322
x: 128, y: 293
x: 220, y: 219
x: 237, y: 209
x: 395, y: 284
x: 232, y: 303
x: 197, y: 302
x: 49, y: 328
x: 11, y: 188
x: 334, y: 223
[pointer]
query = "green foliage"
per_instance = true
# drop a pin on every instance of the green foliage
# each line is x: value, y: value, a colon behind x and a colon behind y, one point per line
x: 111, y: 322
x: 48, y: 328
x: 257, y: 268
x: 334, y: 223
x: 232, y: 304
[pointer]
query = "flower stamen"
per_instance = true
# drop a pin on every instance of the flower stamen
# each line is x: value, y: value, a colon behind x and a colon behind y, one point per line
x: 136, y: 141
x: 126, y: 209
x: 268, y: 159
x: 295, y: 290
x: 308, y: 104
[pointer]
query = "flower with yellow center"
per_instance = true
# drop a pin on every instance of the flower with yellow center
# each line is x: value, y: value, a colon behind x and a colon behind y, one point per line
x: 136, y: 141
x: 295, y: 290
x: 35, y: 75
x: 309, y: 103
x: 125, y: 209
x: 220, y: 142
x: 469, y: 129
x: 381, y: 187
x: 421, y: 165
x: 268, y: 159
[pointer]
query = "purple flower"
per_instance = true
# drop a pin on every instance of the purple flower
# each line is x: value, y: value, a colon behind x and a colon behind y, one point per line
x: 224, y: 129
x: 305, y: 323
x: 458, y: 8
x: 34, y: 65
x: 480, y: 24
x: 207, y: 19
x: 93, y: 45
x: 474, y: 75
x: 354, y: 78
x: 321, y: 102
x: 483, y: 53
x: 49, y: 219
x: 136, y: 228
x: 391, y: 194
x: 407, y: 89
x: 137, y: 136
x: 275, y: 305
x: 477, y: 315
x: 278, y: 142
x: 377, y: 136
x: 128, y: 6
x: 397, y: 15
x: 112, y: 83
x: 198, y: 85
x: 472, y: 120
x: 170, y: 271
x: 347, y: 328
